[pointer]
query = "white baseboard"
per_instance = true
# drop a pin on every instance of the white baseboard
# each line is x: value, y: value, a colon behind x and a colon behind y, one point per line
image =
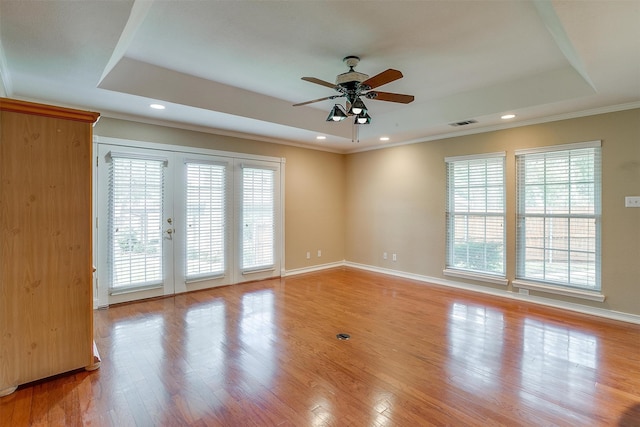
x: 579, y: 308
x: 311, y: 269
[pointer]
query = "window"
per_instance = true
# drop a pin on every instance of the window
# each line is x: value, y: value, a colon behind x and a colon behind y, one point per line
x: 135, y: 221
x: 558, y: 215
x: 476, y: 214
x: 205, y: 214
x: 258, y: 218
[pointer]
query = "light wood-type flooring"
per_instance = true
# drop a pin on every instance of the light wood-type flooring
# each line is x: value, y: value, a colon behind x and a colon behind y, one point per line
x: 266, y: 354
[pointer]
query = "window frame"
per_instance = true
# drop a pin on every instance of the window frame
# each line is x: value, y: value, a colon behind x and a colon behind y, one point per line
x: 451, y: 212
x: 173, y: 155
x: 116, y: 181
x: 222, y: 237
x: 569, y: 288
x: 247, y: 217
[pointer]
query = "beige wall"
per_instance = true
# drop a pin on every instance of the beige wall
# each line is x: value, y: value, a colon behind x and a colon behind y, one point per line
x: 356, y: 207
x: 314, y: 186
x: 396, y: 200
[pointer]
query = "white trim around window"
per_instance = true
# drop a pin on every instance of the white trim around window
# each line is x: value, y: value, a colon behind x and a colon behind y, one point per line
x: 176, y: 159
x: 559, y: 290
x: 561, y: 147
x: 471, y: 275
x: 558, y: 193
x: 476, y: 217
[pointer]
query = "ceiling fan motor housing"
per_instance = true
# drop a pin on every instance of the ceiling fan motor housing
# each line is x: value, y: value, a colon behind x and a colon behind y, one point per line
x: 350, y: 79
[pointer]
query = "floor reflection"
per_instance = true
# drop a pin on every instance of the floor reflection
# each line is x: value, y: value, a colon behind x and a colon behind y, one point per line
x: 257, y: 335
x: 558, y: 365
x: 543, y: 341
x: 322, y: 412
x: 134, y: 340
x: 203, y: 352
x: 475, y: 345
x: 136, y: 357
x: 205, y: 336
x: 256, y: 326
x: 383, y: 407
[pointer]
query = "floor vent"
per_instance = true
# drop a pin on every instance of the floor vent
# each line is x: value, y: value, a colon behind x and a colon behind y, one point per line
x: 463, y: 123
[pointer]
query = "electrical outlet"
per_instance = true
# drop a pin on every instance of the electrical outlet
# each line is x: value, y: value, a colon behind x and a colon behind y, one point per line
x: 319, y: 253
x: 523, y: 291
x: 308, y: 255
x: 384, y: 255
x: 632, y: 202
x: 394, y: 257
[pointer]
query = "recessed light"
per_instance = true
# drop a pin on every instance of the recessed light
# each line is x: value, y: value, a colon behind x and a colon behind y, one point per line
x: 508, y: 116
x: 384, y: 138
x: 157, y: 106
x: 321, y: 137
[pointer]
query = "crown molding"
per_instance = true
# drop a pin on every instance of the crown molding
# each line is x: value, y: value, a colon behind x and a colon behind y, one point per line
x: 510, y: 125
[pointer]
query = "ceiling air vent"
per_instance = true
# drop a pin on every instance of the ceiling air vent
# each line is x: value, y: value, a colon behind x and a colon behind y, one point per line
x: 463, y: 123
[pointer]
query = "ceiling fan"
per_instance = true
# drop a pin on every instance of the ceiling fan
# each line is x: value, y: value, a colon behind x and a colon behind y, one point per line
x: 352, y: 85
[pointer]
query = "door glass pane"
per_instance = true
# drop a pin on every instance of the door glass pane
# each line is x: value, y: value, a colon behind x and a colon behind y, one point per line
x: 205, y: 220
x: 258, y: 218
x: 135, y: 222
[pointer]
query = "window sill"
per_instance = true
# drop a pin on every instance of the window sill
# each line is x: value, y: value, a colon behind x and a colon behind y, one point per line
x: 496, y: 280
x: 203, y: 278
x: 131, y: 289
x: 559, y: 290
x: 258, y: 270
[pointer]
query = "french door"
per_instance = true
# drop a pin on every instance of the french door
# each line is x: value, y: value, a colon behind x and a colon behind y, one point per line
x: 173, y: 221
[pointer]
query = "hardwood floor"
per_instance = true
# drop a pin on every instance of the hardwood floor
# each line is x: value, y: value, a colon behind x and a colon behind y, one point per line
x: 266, y: 354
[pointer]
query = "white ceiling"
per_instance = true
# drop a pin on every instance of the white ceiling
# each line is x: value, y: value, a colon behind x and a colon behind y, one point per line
x: 234, y: 67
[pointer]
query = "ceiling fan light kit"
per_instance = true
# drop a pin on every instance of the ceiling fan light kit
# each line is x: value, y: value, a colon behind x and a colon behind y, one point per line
x: 357, y: 107
x: 337, y: 114
x: 352, y: 85
x: 362, y: 119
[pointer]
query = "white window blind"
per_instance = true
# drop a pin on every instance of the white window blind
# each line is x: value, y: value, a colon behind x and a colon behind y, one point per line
x: 258, y: 218
x: 135, y: 222
x: 205, y: 213
x: 476, y: 214
x: 558, y: 219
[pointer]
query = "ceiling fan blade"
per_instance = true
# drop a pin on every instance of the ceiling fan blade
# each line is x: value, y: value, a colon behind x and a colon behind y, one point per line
x: 391, y: 97
x: 317, y: 100
x: 319, y: 82
x: 383, y: 78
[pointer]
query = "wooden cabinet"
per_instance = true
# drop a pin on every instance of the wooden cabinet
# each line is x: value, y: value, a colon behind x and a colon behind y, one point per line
x: 46, y: 316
